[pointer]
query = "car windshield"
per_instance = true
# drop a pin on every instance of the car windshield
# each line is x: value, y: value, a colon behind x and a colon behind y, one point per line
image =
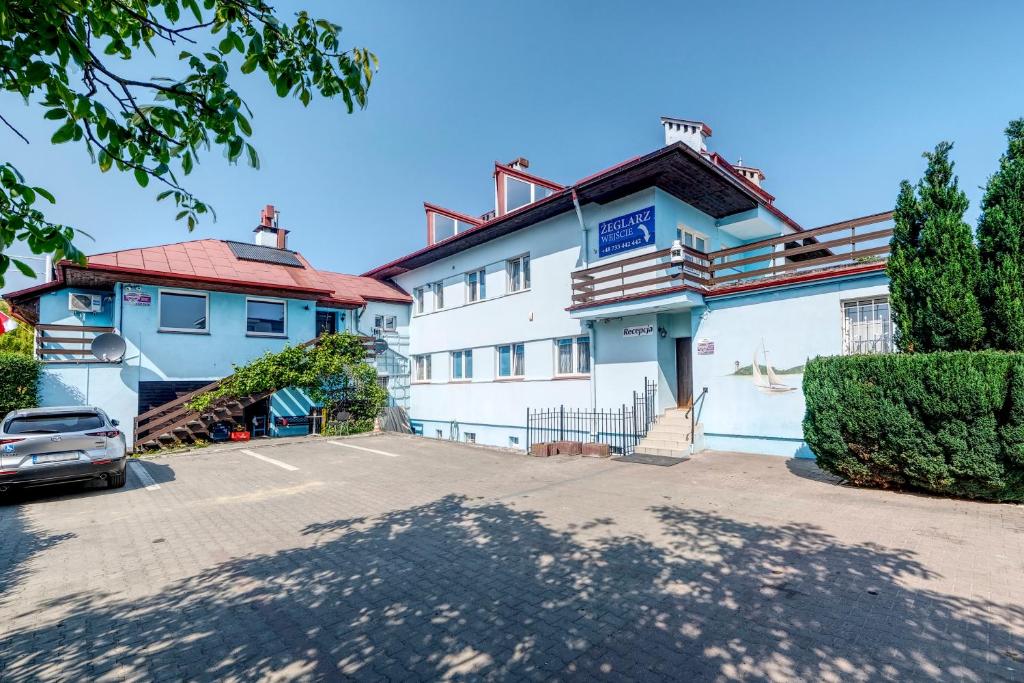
x: 54, y: 423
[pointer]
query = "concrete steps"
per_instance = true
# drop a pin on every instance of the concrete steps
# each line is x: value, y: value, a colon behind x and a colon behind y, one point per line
x: 670, y: 436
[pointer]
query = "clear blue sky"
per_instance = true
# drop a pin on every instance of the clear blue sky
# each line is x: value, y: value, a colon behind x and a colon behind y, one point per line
x: 834, y: 101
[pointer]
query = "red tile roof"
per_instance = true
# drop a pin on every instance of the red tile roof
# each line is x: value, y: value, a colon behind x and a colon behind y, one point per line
x: 212, y: 262
x: 367, y: 287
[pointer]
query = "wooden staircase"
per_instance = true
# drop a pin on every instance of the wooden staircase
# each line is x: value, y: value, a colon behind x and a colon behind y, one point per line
x: 670, y: 436
x: 172, y: 423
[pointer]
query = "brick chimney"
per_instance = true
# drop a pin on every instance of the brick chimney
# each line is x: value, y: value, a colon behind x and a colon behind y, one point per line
x: 268, y: 232
x: 693, y: 134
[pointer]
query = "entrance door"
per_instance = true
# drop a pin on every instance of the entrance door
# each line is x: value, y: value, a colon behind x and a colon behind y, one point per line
x: 684, y: 372
x: 325, y: 322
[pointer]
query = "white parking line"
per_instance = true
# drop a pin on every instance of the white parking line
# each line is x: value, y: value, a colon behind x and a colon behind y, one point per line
x: 140, y: 471
x: 363, y: 448
x: 282, y: 465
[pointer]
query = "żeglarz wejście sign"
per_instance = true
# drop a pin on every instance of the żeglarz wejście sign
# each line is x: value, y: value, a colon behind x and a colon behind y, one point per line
x: 625, y: 233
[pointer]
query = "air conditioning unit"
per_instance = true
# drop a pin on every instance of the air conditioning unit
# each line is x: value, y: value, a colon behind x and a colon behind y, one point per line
x: 85, y: 303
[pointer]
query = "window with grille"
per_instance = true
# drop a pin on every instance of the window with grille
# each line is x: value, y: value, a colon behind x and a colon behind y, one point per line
x: 867, y: 326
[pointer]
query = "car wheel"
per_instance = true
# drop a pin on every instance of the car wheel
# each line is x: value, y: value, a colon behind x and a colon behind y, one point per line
x: 117, y: 480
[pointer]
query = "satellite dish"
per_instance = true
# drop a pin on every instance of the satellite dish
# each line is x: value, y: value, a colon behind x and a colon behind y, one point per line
x: 109, y: 347
x: 380, y: 346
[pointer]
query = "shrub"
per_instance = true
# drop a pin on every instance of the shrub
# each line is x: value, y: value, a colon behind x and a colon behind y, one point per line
x: 19, y: 381
x: 948, y: 423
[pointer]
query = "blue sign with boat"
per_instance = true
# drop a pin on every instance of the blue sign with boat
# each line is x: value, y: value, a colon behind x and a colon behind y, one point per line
x: 625, y: 233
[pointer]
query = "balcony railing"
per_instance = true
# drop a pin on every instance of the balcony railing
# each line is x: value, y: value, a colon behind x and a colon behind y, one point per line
x: 67, y: 343
x: 848, y: 243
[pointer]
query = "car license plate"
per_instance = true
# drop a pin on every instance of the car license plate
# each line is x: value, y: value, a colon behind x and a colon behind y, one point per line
x: 53, y: 457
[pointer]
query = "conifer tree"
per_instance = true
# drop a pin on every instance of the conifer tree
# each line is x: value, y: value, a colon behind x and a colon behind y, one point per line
x: 933, y: 267
x: 1001, y: 243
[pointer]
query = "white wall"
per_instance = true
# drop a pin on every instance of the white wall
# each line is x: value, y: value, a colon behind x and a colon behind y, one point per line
x: 795, y: 324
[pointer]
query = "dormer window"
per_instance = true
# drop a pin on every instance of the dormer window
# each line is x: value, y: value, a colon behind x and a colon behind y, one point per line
x: 516, y: 189
x: 442, y: 224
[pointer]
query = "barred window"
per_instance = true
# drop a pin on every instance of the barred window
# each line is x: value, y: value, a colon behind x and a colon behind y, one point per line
x: 867, y: 326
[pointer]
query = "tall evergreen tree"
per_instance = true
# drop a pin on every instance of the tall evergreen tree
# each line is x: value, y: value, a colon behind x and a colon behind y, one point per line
x: 1001, y: 243
x: 933, y: 267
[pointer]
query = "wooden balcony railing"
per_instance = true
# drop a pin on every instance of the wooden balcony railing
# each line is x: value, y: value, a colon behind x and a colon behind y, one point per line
x: 637, y: 275
x: 847, y: 243
x: 67, y: 343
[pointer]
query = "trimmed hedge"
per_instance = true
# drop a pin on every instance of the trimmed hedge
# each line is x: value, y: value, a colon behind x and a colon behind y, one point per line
x: 947, y: 423
x: 19, y: 382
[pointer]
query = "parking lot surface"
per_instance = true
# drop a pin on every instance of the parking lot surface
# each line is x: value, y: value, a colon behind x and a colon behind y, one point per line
x: 404, y: 558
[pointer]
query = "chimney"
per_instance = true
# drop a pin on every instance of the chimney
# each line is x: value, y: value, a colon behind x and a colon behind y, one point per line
x: 752, y: 174
x: 693, y: 134
x: 519, y: 164
x: 268, y: 233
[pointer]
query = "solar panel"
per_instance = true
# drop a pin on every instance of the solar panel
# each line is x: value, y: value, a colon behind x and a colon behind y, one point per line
x: 256, y: 252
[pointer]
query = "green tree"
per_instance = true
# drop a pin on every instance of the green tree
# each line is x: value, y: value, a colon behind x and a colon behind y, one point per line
x: 1001, y: 246
x: 933, y: 266
x: 18, y: 341
x: 71, y: 57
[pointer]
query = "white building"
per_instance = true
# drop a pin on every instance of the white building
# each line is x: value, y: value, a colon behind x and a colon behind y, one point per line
x: 569, y: 297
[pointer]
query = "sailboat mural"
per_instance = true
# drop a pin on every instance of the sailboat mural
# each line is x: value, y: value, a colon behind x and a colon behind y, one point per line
x: 768, y: 381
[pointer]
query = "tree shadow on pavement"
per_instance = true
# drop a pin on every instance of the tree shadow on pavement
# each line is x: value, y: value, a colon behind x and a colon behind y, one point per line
x: 461, y: 589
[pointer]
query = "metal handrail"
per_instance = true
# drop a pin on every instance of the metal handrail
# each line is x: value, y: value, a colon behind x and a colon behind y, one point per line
x: 691, y: 413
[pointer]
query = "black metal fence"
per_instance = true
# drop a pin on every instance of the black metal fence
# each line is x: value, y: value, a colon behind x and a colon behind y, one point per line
x: 621, y: 428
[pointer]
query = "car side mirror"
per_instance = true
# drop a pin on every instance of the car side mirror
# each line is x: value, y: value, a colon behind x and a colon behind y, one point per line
x: 114, y: 422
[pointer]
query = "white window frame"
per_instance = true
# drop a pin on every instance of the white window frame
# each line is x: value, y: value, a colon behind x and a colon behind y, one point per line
x: 390, y: 323
x: 848, y: 333
x: 523, y: 285
x: 575, y: 343
x: 462, y: 365
x: 266, y: 300
x: 419, y: 300
x: 183, y: 292
x: 684, y: 230
x: 512, y: 361
x: 481, y: 285
x: 438, y: 289
x: 469, y: 437
x: 533, y: 191
x: 416, y: 375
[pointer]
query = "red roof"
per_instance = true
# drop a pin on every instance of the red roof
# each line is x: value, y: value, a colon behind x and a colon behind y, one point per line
x: 367, y: 287
x: 212, y: 262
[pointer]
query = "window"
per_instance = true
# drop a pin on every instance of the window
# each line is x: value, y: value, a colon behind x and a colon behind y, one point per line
x: 438, y: 296
x: 513, y: 442
x: 572, y: 356
x: 54, y: 423
x: 417, y: 295
x: 181, y: 312
x: 385, y: 323
x: 470, y: 437
x: 326, y: 322
x: 265, y: 318
x: 511, y: 360
x: 462, y: 364
x: 444, y: 227
x: 520, y: 193
x: 693, y: 239
x: 422, y: 368
x: 867, y: 326
x: 518, y: 270
x: 476, y: 286
x: 383, y: 381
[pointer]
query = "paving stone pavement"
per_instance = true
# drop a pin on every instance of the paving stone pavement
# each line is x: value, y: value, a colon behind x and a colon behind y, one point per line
x: 461, y: 563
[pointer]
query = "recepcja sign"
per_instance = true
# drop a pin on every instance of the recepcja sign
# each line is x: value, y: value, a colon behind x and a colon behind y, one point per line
x: 638, y: 331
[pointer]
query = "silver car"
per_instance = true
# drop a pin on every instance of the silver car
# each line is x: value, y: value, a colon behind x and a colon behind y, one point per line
x: 41, y: 446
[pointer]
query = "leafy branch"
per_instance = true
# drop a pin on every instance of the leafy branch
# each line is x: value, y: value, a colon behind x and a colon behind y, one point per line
x: 73, y: 56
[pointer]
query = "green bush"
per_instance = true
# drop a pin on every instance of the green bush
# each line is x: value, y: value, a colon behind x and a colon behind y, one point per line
x: 947, y: 423
x: 19, y: 381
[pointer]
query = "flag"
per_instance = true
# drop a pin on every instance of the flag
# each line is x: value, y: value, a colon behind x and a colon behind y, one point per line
x: 7, y: 323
